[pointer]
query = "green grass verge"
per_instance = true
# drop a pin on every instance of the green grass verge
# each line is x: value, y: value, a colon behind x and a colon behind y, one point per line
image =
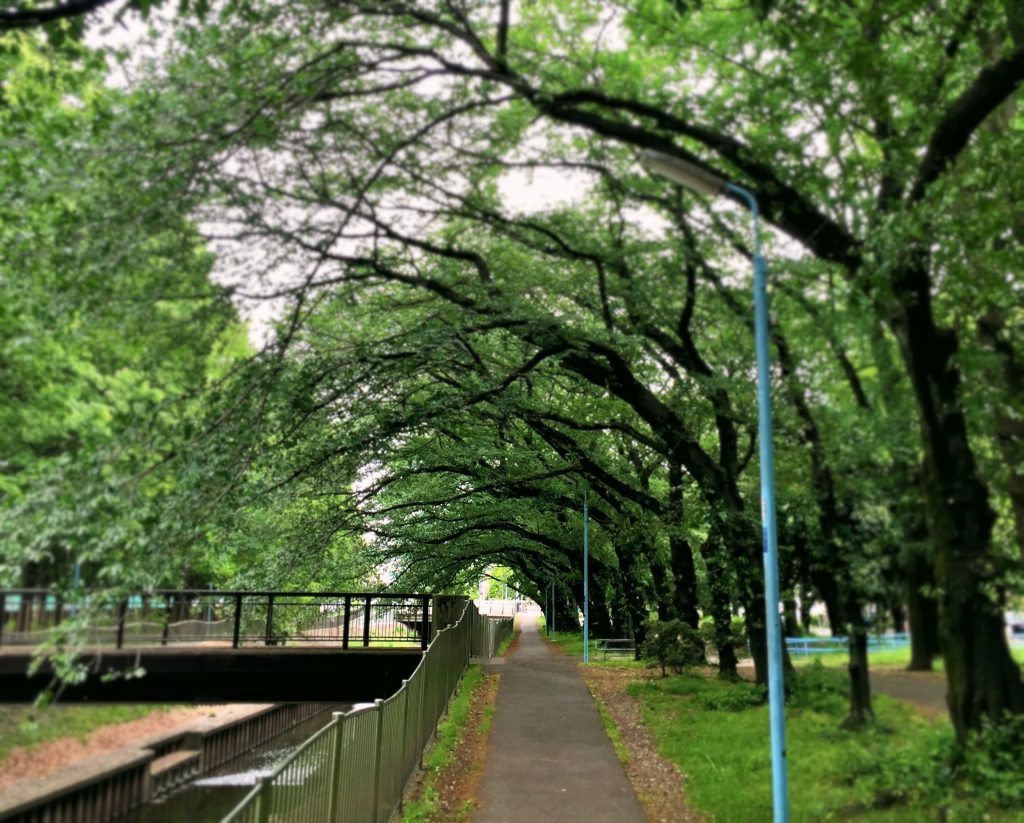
x: 572, y: 644
x: 508, y: 640
x: 893, y: 771
x: 26, y: 728
x: 886, y: 659
x: 449, y: 734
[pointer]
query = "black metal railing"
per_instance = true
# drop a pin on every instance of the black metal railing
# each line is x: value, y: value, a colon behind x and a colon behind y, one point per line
x: 219, y: 618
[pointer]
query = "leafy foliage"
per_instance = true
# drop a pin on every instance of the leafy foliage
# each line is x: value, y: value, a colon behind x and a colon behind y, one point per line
x: 673, y: 645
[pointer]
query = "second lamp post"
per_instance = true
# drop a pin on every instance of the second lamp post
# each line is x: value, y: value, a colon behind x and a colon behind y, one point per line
x: 702, y: 181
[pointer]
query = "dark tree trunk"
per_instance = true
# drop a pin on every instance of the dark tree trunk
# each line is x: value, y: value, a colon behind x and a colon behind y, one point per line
x: 683, y: 573
x: 899, y: 618
x: 600, y: 620
x: 632, y: 592
x: 757, y: 637
x: 790, y: 621
x: 924, y: 614
x: 861, y: 712
x: 727, y: 660
x: 828, y: 591
x: 806, y: 604
x: 717, y: 582
x: 982, y: 678
x: 662, y: 589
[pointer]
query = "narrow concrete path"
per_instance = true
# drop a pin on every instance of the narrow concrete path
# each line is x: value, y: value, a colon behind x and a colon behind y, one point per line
x: 548, y: 756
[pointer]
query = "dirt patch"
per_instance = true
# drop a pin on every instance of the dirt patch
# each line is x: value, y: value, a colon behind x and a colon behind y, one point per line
x: 658, y: 783
x: 45, y: 758
x: 456, y: 784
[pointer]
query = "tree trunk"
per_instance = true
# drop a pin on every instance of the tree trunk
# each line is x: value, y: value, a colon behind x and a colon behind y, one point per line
x: 924, y: 614
x: 662, y: 588
x: 757, y: 637
x: 983, y: 680
x: 861, y: 712
x: 717, y: 582
x: 683, y: 572
x: 600, y: 620
x: 790, y: 622
x: 723, y: 644
x: 899, y: 618
x: 806, y: 604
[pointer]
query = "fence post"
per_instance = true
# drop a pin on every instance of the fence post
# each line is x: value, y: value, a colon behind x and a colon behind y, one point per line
x: 122, y: 611
x: 366, y: 622
x: 263, y: 810
x: 333, y: 806
x: 270, y: 620
x: 377, y: 759
x: 425, y: 633
x: 166, y: 633
x: 421, y: 745
x: 405, y: 740
x: 348, y: 617
x: 237, y: 630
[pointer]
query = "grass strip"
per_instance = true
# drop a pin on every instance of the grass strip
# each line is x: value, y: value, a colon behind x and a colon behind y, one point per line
x: 894, y: 770
x: 450, y: 734
x: 28, y: 727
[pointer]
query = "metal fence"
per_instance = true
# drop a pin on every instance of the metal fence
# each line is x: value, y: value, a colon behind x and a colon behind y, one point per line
x: 355, y: 769
x: 219, y: 618
x: 806, y: 646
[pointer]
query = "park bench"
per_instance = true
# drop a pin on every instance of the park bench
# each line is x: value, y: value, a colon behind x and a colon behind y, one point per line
x: 621, y: 645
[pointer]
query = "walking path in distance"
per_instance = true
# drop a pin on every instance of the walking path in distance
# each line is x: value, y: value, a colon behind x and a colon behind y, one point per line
x: 549, y: 757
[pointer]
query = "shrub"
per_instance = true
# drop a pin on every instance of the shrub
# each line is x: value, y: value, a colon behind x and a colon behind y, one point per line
x: 990, y: 769
x: 818, y: 688
x: 737, y: 632
x: 672, y: 644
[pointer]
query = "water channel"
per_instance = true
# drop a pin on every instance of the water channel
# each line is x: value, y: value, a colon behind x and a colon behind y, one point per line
x: 212, y: 795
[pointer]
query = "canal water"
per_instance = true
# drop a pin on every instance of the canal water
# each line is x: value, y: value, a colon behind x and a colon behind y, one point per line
x: 214, y: 794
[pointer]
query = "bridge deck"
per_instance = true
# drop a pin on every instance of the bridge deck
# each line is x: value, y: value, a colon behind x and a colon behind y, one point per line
x: 217, y: 675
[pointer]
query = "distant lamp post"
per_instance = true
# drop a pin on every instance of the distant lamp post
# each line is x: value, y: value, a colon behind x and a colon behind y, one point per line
x: 704, y: 182
x: 586, y: 582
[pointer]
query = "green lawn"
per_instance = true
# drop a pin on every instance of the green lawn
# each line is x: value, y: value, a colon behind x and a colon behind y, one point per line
x: 720, y: 740
x: 887, y: 659
x: 572, y: 645
x: 27, y: 727
x: 894, y: 771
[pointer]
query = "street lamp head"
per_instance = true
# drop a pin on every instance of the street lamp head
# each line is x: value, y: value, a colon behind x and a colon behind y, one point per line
x: 685, y: 174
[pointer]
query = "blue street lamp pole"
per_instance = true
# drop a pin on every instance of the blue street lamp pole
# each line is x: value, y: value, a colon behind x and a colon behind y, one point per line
x: 586, y: 581
x: 700, y: 180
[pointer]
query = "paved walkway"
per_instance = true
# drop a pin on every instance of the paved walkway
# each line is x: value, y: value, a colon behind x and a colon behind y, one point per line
x: 549, y: 757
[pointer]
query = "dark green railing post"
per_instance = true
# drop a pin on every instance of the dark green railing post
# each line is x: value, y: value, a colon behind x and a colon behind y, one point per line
x: 122, y: 613
x: 348, y: 617
x: 366, y: 622
x: 266, y: 795
x: 237, y: 630
x: 405, y: 737
x: 270, y: 620
x: 377, y: 759
x: 333, y: 802
x: 425, y: 633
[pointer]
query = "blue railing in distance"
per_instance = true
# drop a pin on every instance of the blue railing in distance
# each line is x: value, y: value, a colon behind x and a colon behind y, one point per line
x: 805, y: 646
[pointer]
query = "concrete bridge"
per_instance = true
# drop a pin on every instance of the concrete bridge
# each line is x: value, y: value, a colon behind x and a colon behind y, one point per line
x: 219, y: 646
